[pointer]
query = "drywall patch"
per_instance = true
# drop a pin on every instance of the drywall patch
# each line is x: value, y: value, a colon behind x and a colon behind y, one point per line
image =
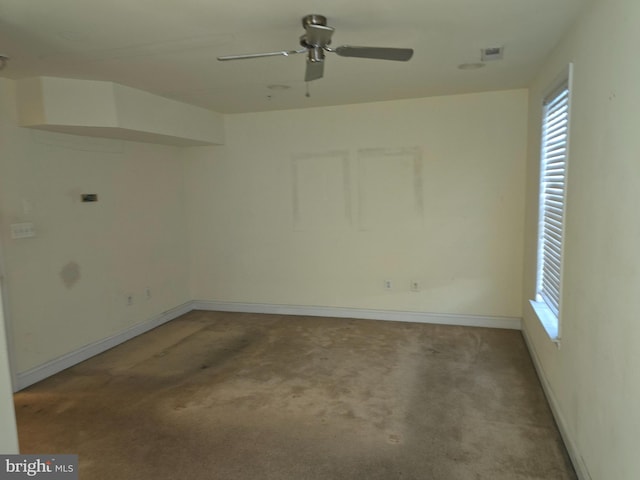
x: 390, y: 191
x: 70, y: 274
x: 321, y: 195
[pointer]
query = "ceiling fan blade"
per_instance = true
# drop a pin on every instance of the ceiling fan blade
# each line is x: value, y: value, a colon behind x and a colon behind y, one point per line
x: 284, y: 53
x: 315, y: 70
x: 318, y: 35
x: 380, y: 53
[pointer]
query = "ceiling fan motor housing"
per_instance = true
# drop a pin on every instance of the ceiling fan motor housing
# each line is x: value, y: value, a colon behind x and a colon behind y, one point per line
x: 313, y: 19
x: 316, y: 37
x: 315, y: 54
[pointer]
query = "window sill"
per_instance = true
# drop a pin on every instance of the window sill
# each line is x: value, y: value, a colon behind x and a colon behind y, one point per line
x: 548, y: 320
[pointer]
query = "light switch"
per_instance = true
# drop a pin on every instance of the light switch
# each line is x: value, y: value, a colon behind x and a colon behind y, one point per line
x: 22, y: 230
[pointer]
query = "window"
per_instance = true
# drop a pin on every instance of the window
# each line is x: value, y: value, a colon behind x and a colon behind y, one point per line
x: 553, y: 174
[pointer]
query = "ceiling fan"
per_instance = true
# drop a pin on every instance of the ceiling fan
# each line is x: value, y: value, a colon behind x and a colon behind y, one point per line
x: 316, y: 40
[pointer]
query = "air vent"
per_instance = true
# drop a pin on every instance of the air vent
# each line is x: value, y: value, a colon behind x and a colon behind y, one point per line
x: 492, y: 53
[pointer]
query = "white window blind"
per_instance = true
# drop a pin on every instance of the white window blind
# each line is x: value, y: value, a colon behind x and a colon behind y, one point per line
x: 555, y: 129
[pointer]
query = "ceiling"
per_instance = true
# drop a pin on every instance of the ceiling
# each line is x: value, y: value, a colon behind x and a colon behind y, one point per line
x: 169, y: 47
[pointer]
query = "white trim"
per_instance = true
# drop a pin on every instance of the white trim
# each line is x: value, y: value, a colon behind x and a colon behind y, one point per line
x: 566, y: 74
x: 578, y: 462
x: 36, y: 374
x: 4, y: 316
x: 547, y: 319
x: 513, y: 323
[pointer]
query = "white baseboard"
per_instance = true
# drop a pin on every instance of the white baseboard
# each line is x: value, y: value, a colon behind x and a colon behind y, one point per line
x: 29, y: 377
x: 512, y: 323
x: 34, y: 375
x: 577, y: 460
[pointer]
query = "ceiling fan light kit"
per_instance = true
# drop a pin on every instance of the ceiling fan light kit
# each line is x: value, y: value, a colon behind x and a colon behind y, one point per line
x: 315, y: 42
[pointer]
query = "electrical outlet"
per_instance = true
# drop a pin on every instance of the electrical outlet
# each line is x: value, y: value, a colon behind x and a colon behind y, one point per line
x: 129, y: 300
x: 388, y: 284
x: 415, y: 286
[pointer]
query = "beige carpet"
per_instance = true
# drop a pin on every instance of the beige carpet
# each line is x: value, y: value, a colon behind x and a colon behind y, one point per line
x: 243, y: 396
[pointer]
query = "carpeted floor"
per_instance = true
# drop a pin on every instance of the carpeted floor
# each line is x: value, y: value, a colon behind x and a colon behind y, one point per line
x: 243, y: 397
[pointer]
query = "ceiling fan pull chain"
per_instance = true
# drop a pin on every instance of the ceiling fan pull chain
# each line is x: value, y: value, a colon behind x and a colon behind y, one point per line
x: 307, y: 94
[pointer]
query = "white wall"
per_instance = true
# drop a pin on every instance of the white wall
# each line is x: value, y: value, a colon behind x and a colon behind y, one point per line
x: 67, y: 286
x: 311, y: 207
x: 593, y: 377
x: 319, y: 206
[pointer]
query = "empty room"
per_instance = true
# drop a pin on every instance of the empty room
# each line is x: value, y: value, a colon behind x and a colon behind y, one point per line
x: 320, y: 240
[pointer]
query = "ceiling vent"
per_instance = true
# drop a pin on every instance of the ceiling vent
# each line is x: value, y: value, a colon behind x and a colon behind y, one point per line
x: 492, y: 53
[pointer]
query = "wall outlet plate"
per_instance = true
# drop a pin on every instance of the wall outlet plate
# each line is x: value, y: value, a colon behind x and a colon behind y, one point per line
x: 22, y: 230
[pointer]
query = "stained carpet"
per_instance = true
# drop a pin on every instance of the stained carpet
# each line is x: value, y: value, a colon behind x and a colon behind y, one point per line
x: 243, y: 396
